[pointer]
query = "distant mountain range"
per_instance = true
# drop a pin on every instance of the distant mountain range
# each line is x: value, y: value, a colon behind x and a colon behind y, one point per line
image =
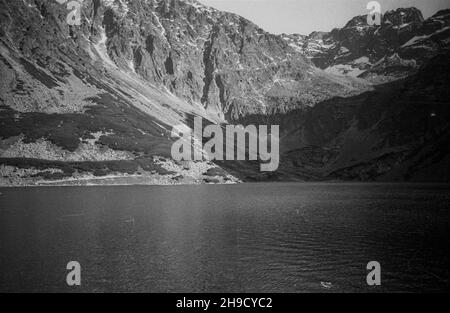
x: 97, y: 102
x: 397, y: 48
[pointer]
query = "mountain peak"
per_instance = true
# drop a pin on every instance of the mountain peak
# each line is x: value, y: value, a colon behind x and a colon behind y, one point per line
x: 403, y: 16
x: 442, y: 13
x: 398, y: 47
x: 360, y: 20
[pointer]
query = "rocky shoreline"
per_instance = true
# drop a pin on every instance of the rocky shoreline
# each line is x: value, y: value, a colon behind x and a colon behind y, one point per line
x: 172, y: 173
x: 125, y: 180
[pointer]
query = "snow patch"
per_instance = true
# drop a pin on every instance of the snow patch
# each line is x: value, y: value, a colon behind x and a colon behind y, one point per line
x: 102, y: 51
x: 344, y: 70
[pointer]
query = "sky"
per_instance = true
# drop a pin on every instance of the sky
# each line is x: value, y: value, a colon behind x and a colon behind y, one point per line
x: 306, y: 16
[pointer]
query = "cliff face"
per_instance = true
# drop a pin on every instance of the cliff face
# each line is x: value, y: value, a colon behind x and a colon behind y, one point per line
x: 379, y: 53
x: 208, y: 58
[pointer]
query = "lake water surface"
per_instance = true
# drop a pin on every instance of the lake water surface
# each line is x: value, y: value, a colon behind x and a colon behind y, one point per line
x: 286, y: 237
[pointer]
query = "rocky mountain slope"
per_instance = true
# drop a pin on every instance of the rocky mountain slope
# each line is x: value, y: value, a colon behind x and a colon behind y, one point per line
x: 218, y: 60
x: 103, y: 96
x: 379, y: 53
x: 99, y: 100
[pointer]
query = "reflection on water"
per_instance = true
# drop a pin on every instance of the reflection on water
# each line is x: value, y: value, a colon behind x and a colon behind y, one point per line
x: 243, y: 238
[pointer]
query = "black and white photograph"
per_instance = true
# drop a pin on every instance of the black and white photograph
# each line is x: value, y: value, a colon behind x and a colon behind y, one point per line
x: 208, y: 148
